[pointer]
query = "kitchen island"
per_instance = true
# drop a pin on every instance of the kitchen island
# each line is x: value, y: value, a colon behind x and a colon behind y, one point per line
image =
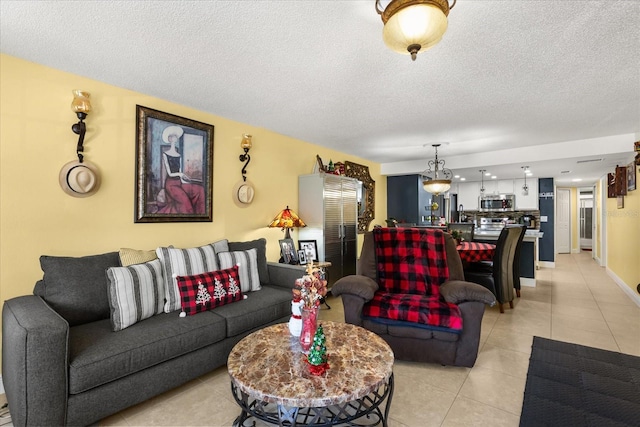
x: 528, y: 253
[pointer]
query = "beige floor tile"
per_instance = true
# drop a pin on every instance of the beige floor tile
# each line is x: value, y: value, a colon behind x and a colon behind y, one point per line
x: 582, y: 323
x: 499, y: 359
x: 582, y: 312
x: 116, y: 420
x: 466, y: 412
x: 511, y: 340
x: 502, y: 391
x: 528, y: 323
x: 565, y: 332
x: 416, y: 403
x: 449, y: 378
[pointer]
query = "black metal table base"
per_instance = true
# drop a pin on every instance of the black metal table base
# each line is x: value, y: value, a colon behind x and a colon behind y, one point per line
x: 365, y: 411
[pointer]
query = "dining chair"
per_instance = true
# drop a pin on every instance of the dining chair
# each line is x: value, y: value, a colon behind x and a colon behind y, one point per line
x: 499, y: 279
x: 516, y: 261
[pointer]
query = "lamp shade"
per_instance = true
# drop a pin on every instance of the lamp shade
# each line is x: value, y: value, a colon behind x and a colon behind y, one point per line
x: 287, y: 219
x: 411, y: 26
x: 81, y: 102
x: 436, y: 186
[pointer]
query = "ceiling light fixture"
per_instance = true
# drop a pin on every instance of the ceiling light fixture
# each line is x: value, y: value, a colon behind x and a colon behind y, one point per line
x: 482, y: 171
x: 525, y: 187
x: 414, y: 25
x: 431, y: 182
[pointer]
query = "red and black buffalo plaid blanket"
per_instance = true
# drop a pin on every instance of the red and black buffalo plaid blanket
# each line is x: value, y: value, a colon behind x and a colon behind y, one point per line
x: 411, y: 266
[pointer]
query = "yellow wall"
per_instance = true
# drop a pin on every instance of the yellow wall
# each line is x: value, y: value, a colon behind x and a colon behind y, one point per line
x: 37, y: 217
x: 623, y: 238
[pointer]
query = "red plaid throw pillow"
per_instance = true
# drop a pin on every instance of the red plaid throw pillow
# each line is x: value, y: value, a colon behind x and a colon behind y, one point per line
x: 201, y: 292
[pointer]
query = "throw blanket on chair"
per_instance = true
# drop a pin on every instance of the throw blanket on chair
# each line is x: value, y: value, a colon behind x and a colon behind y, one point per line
x: 412, y: 264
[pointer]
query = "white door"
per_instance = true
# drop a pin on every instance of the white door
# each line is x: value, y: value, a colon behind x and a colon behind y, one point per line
x: 563, y: 221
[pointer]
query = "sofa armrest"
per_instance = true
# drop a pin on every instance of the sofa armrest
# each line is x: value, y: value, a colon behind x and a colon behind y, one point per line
x: 284, y: 275
x: 356, y: 291
x: 34, y: 361
x: 458, y: 291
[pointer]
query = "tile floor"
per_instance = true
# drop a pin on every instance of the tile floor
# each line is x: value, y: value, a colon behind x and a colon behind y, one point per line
x: 575, y: 302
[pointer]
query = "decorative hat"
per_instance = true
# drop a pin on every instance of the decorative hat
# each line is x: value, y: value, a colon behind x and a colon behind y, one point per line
x: 171, y: 130
x: 79, y: 179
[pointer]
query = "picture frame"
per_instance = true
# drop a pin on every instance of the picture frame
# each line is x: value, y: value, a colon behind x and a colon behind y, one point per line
x: 302, y: 257
x: 631, y: 176
x: 620, y: 202
x: 288, y: 251
x: 310, y: 248
x: 174, y: 168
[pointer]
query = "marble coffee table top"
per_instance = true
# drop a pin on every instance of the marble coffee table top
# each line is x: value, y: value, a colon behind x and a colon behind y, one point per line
x: 269, y: 366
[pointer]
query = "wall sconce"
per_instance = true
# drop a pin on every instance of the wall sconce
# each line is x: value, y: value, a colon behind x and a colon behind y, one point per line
x: 81, y: 105
x: 80, y: 178
x: 245, y: 144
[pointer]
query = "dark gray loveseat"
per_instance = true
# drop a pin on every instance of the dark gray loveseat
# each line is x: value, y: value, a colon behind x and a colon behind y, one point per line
x: 57, y: 374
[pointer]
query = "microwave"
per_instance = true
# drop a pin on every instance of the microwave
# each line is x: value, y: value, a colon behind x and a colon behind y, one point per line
x: 497, y: 203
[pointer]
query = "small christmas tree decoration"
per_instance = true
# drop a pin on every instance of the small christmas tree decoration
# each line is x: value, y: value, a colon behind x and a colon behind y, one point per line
x: 203, y: 296
x: 317, y: 358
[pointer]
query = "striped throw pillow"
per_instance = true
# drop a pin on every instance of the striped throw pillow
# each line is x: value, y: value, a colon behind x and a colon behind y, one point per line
x: 248, y: 263
x: 135, y: 293
x: 183, y: 262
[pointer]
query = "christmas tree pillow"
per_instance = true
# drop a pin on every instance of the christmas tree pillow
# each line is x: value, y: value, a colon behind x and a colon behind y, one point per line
x: 201, y: 292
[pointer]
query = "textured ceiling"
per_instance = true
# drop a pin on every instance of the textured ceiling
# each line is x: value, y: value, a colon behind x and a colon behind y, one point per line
x: 512, y: 83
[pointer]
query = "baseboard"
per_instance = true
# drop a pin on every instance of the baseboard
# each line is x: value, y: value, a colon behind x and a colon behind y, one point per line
x: 547, y: 264
x: 626, y: 289
x: 527, y: 281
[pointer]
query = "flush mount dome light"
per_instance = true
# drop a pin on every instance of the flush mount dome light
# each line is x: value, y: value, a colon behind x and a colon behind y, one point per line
x: 411, y: 26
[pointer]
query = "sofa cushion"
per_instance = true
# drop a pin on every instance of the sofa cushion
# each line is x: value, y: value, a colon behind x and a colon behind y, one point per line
x: 77, y: 287
x: 135, y: 293
x: 98, y: 356
x: 427, y: 311
x: 260, y: 308
x: 248, y: 263
x: 184, y: 262
x: 260, y: 245
x: 135, y: 256
x: 202, y: 292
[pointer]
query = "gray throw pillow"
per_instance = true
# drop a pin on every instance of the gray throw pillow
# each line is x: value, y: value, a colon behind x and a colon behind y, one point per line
x: 77, y: 288
x: 260, y: 245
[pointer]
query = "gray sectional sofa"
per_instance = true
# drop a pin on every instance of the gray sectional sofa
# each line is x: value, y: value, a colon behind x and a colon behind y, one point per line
x: 59, y: 369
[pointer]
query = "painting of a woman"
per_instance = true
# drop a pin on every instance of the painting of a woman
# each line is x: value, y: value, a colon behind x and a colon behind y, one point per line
x: 182, y: 193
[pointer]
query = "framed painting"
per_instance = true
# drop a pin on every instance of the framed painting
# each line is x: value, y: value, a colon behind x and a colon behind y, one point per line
x: 288, y: 250
x: 310, y: 248
x: 631, y: 176
x: 174, y: 168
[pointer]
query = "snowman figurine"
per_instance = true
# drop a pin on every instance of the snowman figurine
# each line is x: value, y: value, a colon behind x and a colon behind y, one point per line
x: 295, y: 323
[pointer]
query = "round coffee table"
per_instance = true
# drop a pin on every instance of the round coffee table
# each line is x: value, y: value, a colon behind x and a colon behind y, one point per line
x: 270, y: 378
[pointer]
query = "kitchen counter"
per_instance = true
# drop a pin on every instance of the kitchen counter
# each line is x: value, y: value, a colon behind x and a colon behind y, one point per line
x: 529, y: 235
x: 529, y: 256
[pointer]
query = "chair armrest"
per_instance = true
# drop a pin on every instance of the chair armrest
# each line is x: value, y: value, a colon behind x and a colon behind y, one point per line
x: 458, y: 291
x: 360, y: 286
x: 34, y: 361
x: 355, y: 291
x: 284, y: 275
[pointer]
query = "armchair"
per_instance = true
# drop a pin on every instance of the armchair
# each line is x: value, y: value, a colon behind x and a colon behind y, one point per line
x: 415, y: 342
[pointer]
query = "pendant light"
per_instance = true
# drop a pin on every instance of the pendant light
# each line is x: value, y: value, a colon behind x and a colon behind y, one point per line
x: 431, y: 180
x: 411, y: 26
x: 482, y: 171
x: 525, y: 188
